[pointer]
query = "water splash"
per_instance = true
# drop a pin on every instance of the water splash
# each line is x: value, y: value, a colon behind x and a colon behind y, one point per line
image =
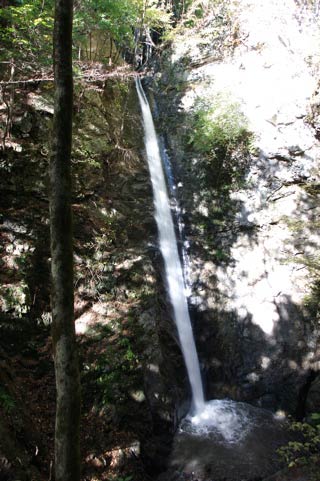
x: 221, y: 419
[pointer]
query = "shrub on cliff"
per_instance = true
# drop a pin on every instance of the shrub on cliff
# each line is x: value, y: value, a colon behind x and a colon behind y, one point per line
x: 219, y: 132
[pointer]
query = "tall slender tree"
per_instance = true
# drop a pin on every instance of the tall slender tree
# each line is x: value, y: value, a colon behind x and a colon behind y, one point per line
x: 67, y: 457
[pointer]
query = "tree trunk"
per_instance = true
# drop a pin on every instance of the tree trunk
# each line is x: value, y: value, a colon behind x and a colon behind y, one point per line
x: 67, y: 457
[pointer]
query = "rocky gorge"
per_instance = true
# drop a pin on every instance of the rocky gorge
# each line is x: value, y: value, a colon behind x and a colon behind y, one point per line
x: 235, y: 99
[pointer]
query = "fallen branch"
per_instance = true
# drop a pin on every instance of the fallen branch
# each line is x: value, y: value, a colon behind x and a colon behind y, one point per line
x: 30, y: 81
x: 87, y: 77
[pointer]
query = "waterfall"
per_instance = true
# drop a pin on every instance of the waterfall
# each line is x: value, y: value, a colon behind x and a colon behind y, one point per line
x: 169, y: 250
x: 225, y: 418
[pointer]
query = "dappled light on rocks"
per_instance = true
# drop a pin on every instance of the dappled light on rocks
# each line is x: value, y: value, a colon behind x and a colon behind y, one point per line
x: 232, y: 252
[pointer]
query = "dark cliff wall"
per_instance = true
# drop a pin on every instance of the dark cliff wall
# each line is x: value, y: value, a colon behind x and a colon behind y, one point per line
x: 133, y: 379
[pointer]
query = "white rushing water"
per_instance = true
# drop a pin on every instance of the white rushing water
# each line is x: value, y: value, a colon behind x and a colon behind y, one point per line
x: 224, y: 418
x: 169, y: 250
x: 178, y: 217
x: 221, y: 419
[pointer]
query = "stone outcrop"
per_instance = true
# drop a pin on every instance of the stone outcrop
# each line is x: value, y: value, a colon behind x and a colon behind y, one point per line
x: 253, y: 233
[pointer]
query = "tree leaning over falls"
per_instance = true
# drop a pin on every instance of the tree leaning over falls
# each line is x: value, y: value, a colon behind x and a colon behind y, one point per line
x: 67, y: 457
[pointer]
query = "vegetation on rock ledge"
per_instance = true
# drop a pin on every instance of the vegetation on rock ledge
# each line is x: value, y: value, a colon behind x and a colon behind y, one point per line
x: 219, y: 134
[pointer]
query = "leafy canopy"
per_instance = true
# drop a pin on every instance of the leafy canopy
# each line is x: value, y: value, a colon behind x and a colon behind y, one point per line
x: 26, y: 26
x: 26, y: 31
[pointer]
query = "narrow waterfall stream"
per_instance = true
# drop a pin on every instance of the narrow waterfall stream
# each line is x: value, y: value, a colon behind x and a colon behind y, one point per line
x: 169, y: 250
x: 233, y: 440
x: 226, y: 418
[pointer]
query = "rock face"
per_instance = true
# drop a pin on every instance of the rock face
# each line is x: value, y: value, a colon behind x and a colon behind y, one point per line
x: 313, y: 397
x: 251, y: 214
x: 133, y: 373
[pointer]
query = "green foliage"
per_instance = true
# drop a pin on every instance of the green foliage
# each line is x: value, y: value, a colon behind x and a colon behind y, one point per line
x: 307, y: 229
x: 116, y: 21
x: 102, y: 28
x: 312, y: 300
x: 99, y: 25
x: 26, y: 31
x: 305, y: 451
x: 218, y: 125
x: 112, y: 18
x: 115, y: 371
x: 219, y: 132
x: 157, y: 18
x: 15, y: 298
x: 6, y: 401
x: 191, y: 13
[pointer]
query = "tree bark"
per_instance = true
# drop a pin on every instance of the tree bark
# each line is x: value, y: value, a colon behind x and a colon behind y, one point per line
x: 67, y: 456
